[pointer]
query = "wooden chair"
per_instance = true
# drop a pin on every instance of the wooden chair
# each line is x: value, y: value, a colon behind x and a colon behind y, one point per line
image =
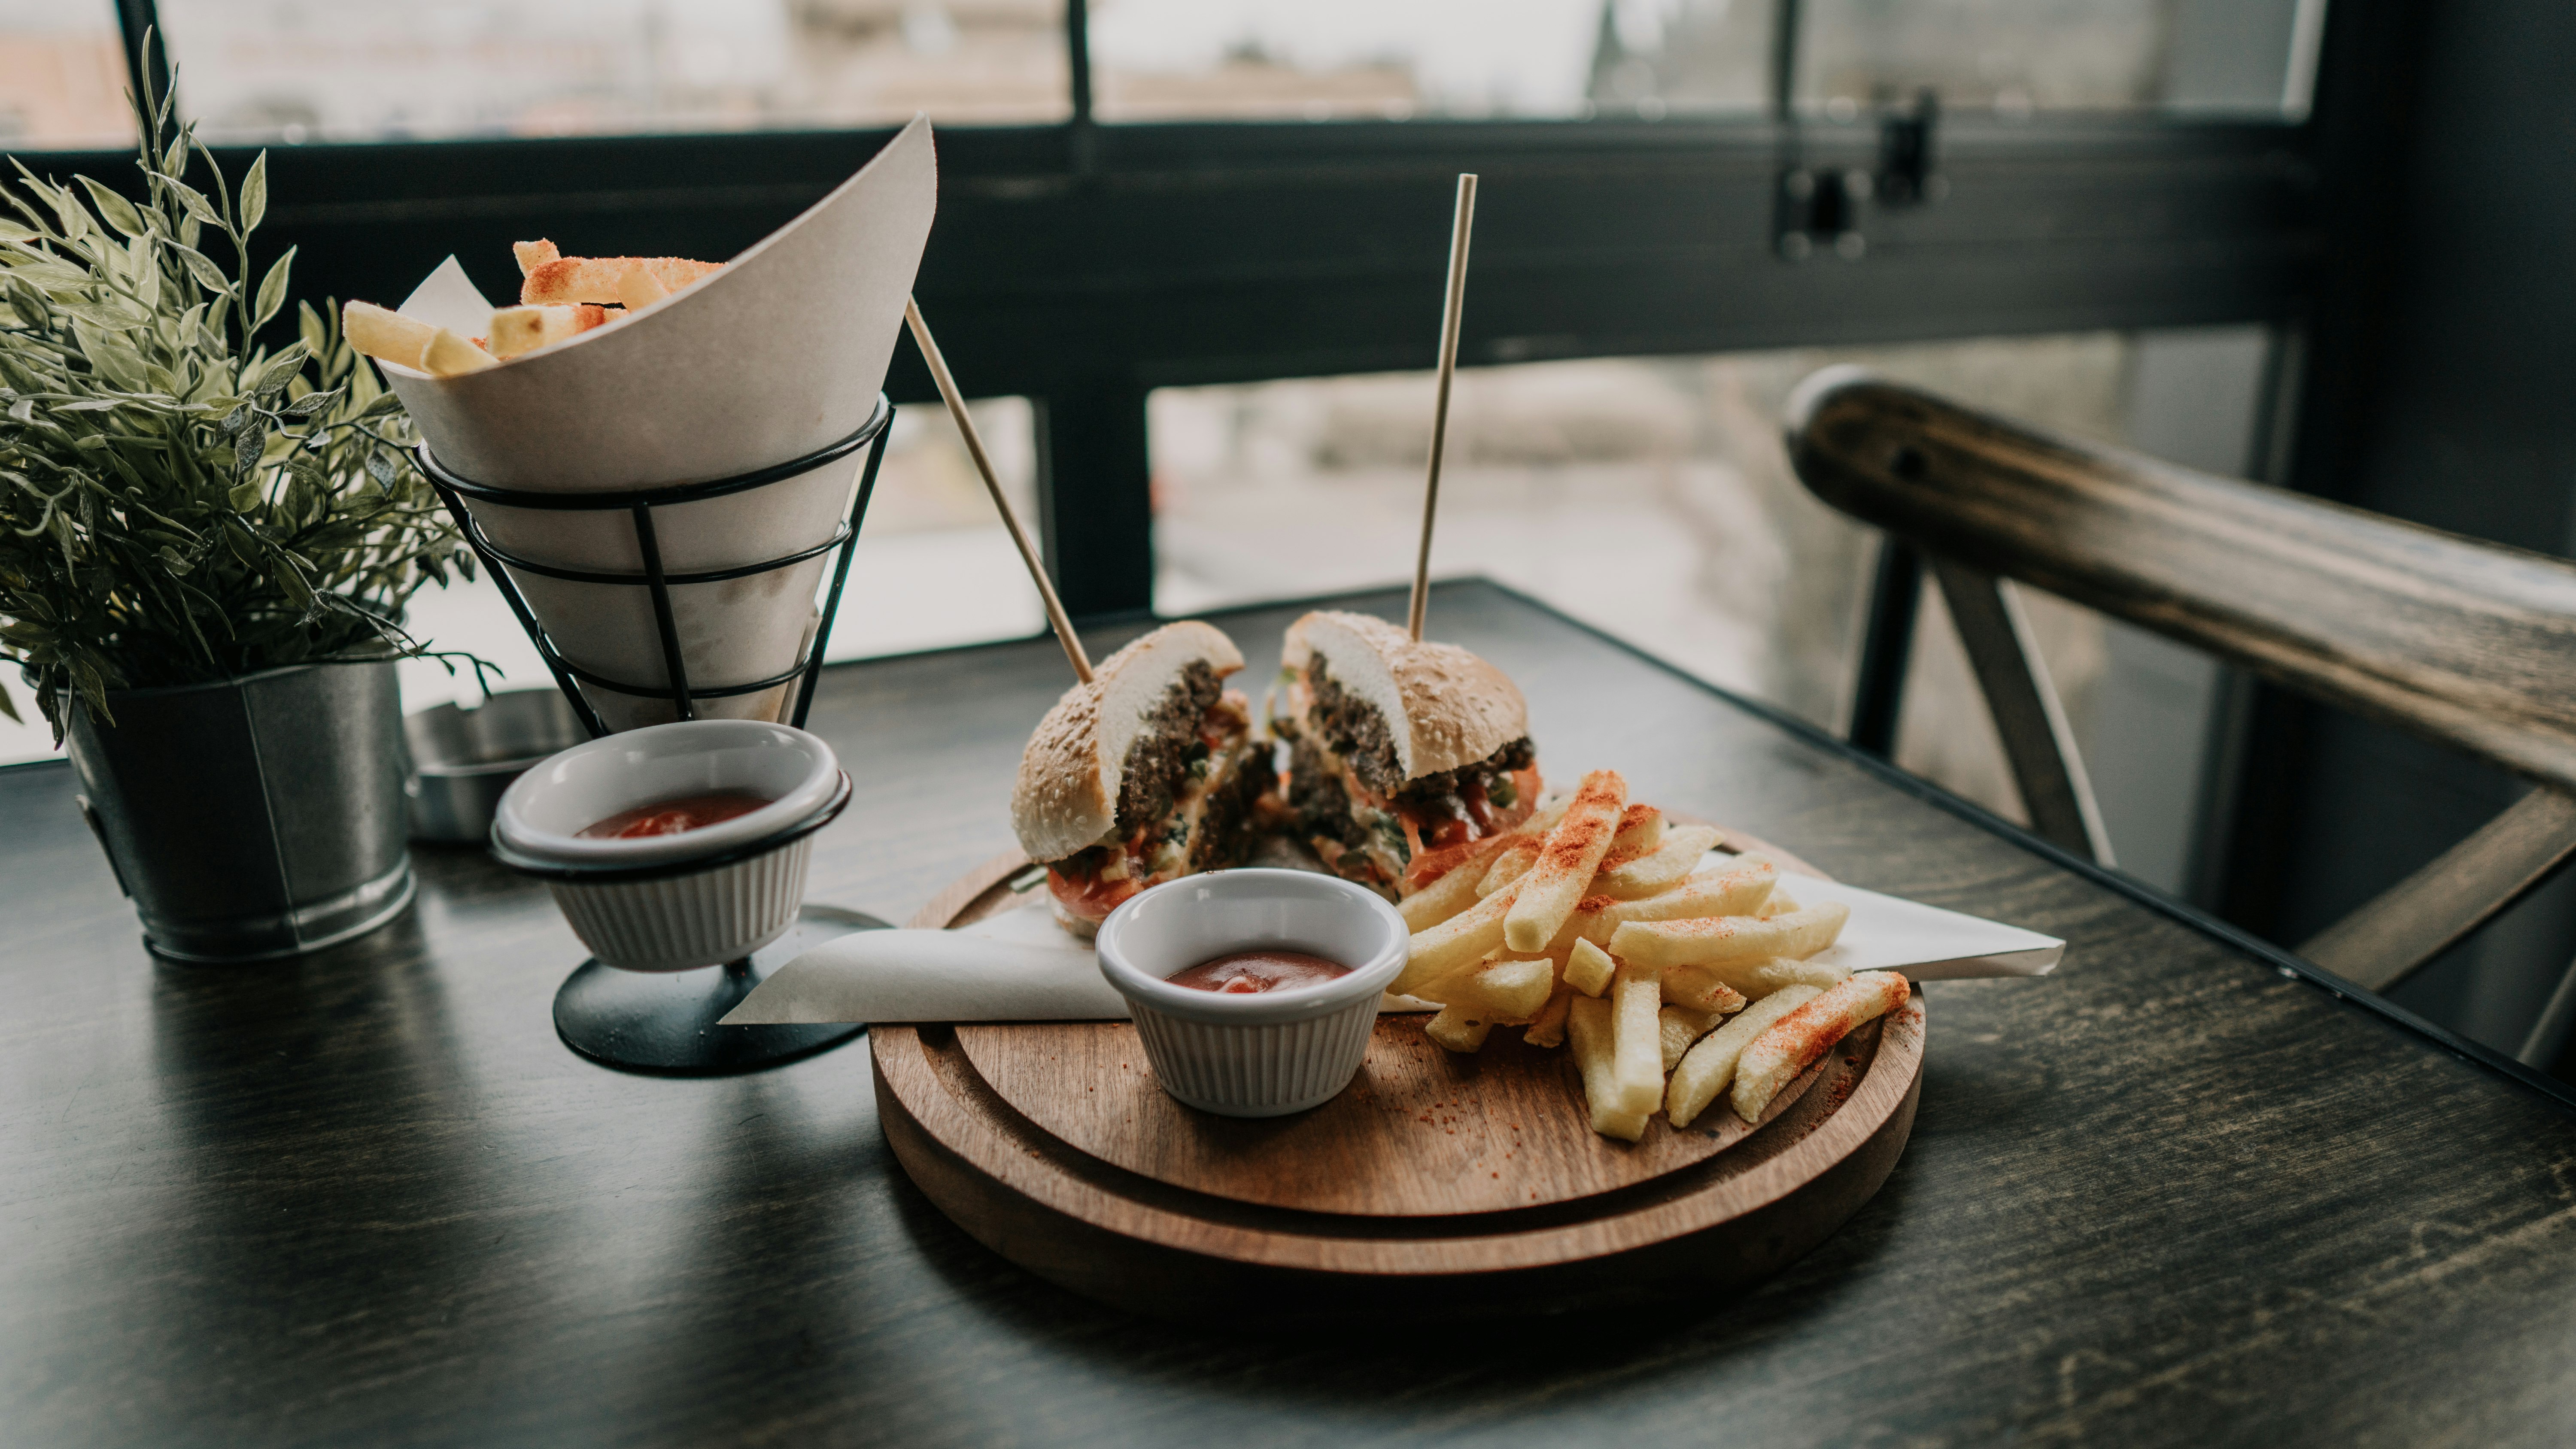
x: 2468, y: 644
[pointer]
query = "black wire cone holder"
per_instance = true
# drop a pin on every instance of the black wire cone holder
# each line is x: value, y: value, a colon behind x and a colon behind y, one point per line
x: 664, y: 1021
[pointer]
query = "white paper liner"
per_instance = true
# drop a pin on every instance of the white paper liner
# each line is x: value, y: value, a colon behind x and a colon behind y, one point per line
x: 1020, y: 966
x: 778, y: 355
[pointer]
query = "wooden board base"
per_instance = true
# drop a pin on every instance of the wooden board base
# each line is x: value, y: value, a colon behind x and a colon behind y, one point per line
x: 1437, y: 1186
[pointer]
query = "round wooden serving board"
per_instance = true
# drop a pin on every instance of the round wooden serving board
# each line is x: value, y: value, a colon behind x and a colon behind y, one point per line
x: 1435, y: 1186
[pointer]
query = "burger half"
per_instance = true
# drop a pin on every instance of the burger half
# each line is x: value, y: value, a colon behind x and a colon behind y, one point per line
x: 1401, y: 755
x: 1145, y: 774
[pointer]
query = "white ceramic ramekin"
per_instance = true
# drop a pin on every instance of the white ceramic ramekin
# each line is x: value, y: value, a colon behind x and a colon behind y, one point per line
x: 675, y: 902
x: 1262, y: 1054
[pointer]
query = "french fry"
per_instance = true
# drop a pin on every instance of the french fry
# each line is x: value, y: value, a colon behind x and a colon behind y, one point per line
x: 524, y: 329
x: 638, y: 288
x: 1588, y: 1033
x: 1782, y: 1051
x: 1509, y: 866
x: 1443, y: 897
x: 1641, y: 831
x: 1696, y: 988
x: 1545, y: 897
x: 1501, y: 992
x: 1758, y: 979
x: 1637, y: 1039
x: 1588, y: 968
x: 533, y: 255
x: 449, y: 355
x: 1680, y: 1027
x: 1779, y: 903
x: 1548, y: 1029
x: 385, y: 334
x: 606, y: 279
x: 1716, y: 893
x: 1456, y: 1031
x: 1455, y: 889
x: 1709, y: 1067
x: 1715, y: 940
x: 1454, y: 944
x: 1676, y: 858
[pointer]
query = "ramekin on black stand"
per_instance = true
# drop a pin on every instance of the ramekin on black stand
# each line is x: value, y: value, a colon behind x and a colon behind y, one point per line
x: 663, y: 1019
x: 683, y: 926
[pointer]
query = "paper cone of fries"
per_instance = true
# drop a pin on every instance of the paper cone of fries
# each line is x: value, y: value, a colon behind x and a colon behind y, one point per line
x: 778, y: 355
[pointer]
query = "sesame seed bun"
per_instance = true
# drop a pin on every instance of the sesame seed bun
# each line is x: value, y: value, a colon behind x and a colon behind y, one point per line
x: 1444, y: 707
x: 1066, y: 798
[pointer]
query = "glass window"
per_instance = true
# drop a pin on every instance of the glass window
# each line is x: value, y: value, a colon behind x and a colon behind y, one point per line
x: 1649, y: 497
x: 364, y: 70
x: 2013, y: 57
x: 1349, y: 59
x: 62, y: 77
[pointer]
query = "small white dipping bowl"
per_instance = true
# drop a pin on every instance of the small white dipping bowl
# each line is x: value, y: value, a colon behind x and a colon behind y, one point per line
x: 1253, y: 1054
x: 675, y: 902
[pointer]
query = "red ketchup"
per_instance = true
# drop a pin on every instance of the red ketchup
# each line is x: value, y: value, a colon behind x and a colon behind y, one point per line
x: 670, y: 817
x: 1239, y: 973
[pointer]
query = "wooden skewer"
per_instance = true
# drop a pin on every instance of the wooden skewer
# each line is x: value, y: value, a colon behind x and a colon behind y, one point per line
x: 948, y: 394
x: 1459, y: 227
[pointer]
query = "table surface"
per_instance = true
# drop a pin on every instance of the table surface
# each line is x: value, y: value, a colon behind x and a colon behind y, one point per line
x: 2172, y: 1193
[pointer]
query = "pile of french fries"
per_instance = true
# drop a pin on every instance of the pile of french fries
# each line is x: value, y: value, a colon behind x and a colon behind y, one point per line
x: 559, y: 297
x: 1594, y: 924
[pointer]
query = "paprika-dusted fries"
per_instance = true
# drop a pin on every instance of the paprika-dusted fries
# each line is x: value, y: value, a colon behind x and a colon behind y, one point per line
x: 1673, y: 982
x: 1508, y: 867
x: 1460, y: 887
x: 1545, y: 897
x: 525, y: 329
x: 1454, y: 944
x: 1637, y: 1038
x: 560, y: 297
x: 1588, y: 968
x: 1668, y: 863
x: 1781, y: 1052
x: 1548, y: 1030
x: 1641, y: 832
x: 1681, y: 1027
x: 1588, y: 1032
x: 1709, y: 1067
x: 610, y: 279
x: 1710, y: 941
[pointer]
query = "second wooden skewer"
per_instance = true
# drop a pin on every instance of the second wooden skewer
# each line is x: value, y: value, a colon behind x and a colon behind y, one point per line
x: 1460, y: 225
x: 948, y: 394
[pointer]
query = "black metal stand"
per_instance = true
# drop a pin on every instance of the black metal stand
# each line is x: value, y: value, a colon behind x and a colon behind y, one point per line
x: 664, y: 1022
x: 640, y: 503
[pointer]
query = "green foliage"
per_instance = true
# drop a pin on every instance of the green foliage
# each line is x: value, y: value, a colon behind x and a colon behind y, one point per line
x: 177, y: 504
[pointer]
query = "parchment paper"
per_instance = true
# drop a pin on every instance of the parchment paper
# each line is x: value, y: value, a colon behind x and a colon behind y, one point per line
x: 1019, y: 966
x: 777, y: 355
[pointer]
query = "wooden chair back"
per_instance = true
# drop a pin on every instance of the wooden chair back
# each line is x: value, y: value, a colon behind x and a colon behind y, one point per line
x: 2466, y: 643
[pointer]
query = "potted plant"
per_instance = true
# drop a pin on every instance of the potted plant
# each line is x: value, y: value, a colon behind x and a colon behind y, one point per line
x: 206, y: 547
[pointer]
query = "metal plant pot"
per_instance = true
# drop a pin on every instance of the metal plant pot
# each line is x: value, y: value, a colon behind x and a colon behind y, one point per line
x: 253, y: 818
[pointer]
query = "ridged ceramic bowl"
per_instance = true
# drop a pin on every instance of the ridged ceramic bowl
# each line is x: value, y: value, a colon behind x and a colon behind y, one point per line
x: 1257, y: 1054
x: 675, y: 902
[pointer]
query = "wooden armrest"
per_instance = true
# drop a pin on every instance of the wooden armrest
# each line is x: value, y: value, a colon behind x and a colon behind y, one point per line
x: 2469, y: 643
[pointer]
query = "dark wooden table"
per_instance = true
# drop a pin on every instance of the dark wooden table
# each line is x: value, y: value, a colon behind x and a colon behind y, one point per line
x: 2176, y: 1193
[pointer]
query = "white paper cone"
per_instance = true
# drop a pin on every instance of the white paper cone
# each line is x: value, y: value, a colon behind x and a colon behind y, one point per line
x: 776, y: 356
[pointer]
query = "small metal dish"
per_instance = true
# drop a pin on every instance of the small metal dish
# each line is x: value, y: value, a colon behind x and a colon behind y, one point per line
x: 462, y: 759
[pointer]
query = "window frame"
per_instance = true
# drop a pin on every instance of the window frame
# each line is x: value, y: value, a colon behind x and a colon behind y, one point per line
x: 1083, y: 265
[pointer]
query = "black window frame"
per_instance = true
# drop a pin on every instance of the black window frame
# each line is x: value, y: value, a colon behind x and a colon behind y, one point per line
x: 1083, y: 265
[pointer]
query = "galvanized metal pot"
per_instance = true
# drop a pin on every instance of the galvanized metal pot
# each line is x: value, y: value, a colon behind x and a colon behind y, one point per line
x: 254, y: 818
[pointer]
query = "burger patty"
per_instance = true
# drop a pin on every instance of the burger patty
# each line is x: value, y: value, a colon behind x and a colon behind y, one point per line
x: 1358, y: 733
x: 1160, y: 755
x: 1227, y: 821
x: 1317, y: 795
